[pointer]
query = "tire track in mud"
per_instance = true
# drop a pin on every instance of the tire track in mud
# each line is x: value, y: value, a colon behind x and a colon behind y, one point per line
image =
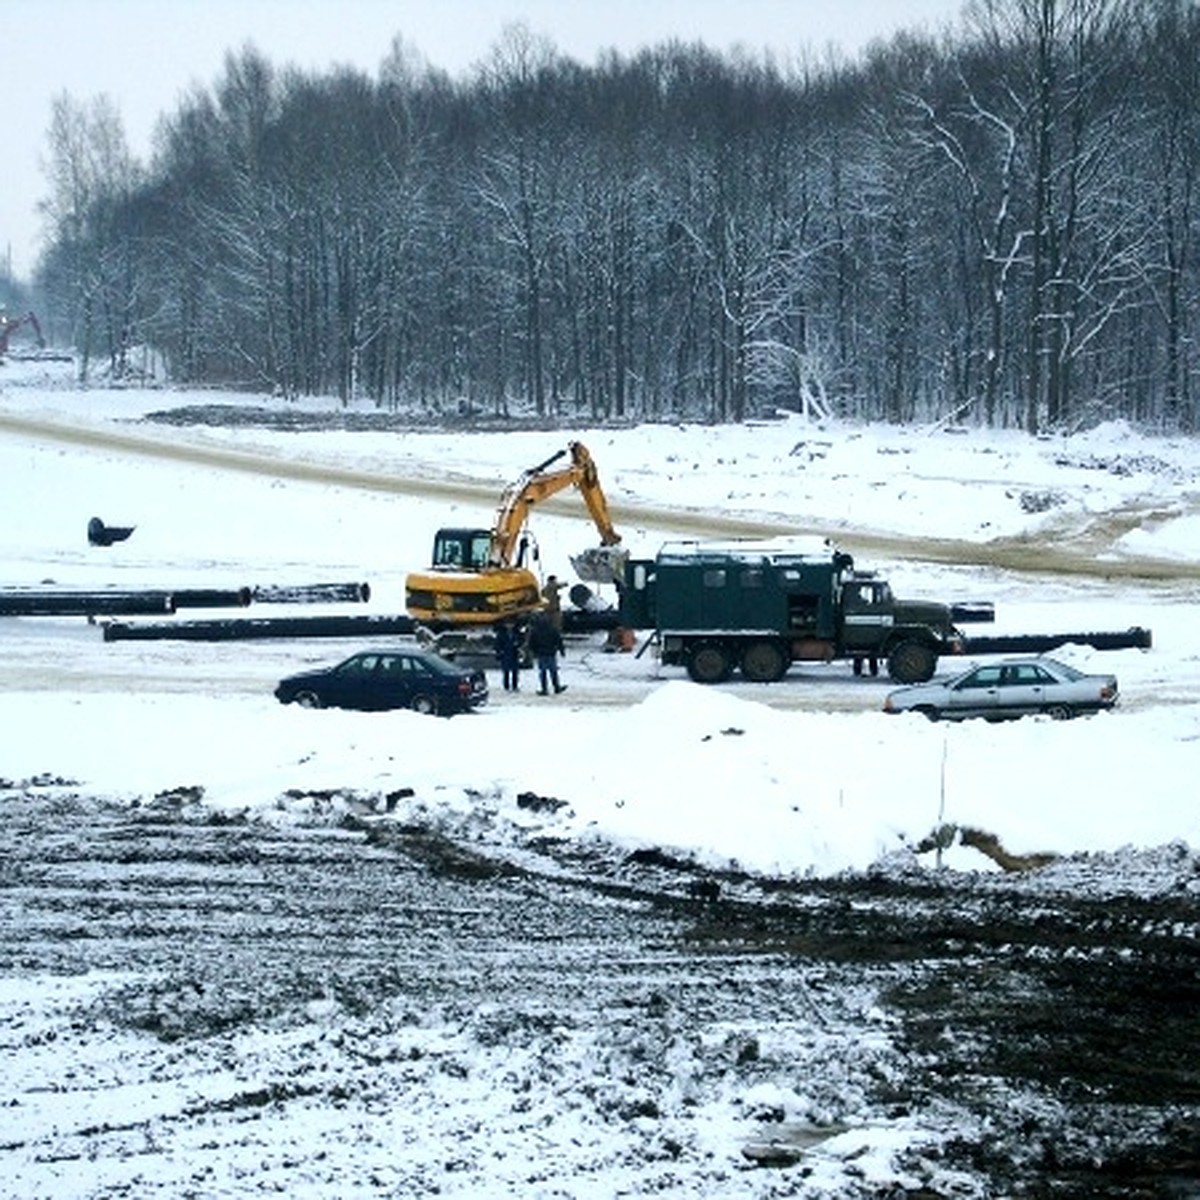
x: 1055, y: 1033
x: 1071, y: 549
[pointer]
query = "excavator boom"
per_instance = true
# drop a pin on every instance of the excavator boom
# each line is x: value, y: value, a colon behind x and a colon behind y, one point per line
x: 536, y: 485
x: 9, y: 326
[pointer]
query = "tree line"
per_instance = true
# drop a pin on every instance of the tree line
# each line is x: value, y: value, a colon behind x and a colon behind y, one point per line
x: 995, y: 226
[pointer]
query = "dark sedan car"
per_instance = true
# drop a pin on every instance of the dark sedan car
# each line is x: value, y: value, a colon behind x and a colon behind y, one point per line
x: 1009, y: 689
x: 383, y: 679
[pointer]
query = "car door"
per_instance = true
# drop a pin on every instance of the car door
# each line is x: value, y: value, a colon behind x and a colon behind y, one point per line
x: 349, y: 685
x: 976, y: 694
x: 393, y: 682
x: 426, y: 687
x: 1022, y: 689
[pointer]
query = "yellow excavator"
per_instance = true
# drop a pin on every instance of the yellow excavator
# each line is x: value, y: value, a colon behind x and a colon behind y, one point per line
x: 479, y: 576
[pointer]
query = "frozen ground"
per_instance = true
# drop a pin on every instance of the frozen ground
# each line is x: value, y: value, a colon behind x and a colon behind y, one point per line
x: 796, y: 799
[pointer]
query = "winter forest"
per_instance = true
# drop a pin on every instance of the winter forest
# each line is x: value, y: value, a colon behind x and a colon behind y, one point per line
x: 999, y: 227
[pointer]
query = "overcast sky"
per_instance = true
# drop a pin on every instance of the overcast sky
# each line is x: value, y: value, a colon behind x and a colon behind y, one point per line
x: 144, y: 54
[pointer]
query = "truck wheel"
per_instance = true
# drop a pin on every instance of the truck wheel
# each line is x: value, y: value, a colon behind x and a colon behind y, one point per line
x: 709, y: 663
x: 912, y: 662
x: 764, y: 662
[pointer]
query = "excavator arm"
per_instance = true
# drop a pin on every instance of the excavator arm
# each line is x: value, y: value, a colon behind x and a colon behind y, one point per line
x: 9, y: 325
x: 540, y: 482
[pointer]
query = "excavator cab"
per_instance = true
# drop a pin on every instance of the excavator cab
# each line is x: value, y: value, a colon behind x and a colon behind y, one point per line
x: 461, y: 549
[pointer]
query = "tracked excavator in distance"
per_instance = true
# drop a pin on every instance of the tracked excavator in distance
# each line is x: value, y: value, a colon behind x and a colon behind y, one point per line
x: 10, y: 325
x: 480, y: 576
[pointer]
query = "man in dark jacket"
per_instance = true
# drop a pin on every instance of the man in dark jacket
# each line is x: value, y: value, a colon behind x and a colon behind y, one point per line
x: 508, y: 654
x: 545, y: 645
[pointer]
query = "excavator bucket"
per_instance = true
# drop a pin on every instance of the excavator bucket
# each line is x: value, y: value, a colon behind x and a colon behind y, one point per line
x: 601, y: 564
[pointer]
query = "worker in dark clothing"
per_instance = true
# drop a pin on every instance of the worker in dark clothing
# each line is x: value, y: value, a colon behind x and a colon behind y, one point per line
x: 546, y: 645
x: 508, y: 655
x: 550, y: 594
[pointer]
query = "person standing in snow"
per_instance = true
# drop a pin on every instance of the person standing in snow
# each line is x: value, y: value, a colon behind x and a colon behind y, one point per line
x: 550, y: 594
x: 545, y: 645
x: 508, y: 655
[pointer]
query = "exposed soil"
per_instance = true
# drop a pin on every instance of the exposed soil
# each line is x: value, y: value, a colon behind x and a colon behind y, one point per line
x: 1062, y: 1028
x: 1069, y: 1023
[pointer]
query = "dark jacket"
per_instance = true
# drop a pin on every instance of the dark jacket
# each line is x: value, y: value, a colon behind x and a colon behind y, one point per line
x: 508, y: 645
x: 544, y: 640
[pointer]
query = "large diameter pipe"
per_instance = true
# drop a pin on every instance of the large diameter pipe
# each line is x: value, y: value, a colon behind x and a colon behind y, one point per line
x: 312, y: 593
x: 63, y: 603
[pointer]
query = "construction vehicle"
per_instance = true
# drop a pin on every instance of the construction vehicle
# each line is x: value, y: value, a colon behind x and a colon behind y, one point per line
x: 759, y: 607
x: 481, y: 576
x: 10, y: 325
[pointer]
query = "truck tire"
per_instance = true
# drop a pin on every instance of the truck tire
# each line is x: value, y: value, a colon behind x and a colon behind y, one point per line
x: 912, y: 662
x: 709, y: 662
x: 764, y: 662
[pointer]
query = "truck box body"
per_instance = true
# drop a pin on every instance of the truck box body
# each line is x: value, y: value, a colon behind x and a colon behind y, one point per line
x: 762, y: 605
x: 750, y: 587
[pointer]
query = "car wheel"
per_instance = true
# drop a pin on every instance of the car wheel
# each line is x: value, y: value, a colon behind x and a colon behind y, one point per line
x: 912, y: 662
x: 1059, y: 712
x: 424, y: 704
x: 928, y: 712
x: 307, y: 699
x: 764, y: 662
x: 709, y: 663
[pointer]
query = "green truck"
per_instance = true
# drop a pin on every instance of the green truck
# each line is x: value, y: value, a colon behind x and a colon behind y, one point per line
x: 759, y: 606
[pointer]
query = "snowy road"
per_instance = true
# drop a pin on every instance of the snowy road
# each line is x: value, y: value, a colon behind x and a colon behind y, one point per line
x: 1072, y: 547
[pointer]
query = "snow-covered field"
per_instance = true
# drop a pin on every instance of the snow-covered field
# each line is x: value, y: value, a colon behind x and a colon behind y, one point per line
x: 802, y: 779
x: 819, y: 791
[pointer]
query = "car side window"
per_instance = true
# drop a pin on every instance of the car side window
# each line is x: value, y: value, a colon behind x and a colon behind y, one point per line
x: 1022, y: 675
x: 985, y: 677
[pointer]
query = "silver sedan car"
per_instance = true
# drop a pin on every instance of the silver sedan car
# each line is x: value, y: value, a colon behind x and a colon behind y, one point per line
x: 1014, y: 688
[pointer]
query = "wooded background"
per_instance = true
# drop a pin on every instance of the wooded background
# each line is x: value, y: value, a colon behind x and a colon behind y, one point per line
x: 996, y: 228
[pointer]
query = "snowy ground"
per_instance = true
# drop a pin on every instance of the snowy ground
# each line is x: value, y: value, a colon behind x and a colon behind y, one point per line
x: 844, y: 808
x: 806, y: 779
